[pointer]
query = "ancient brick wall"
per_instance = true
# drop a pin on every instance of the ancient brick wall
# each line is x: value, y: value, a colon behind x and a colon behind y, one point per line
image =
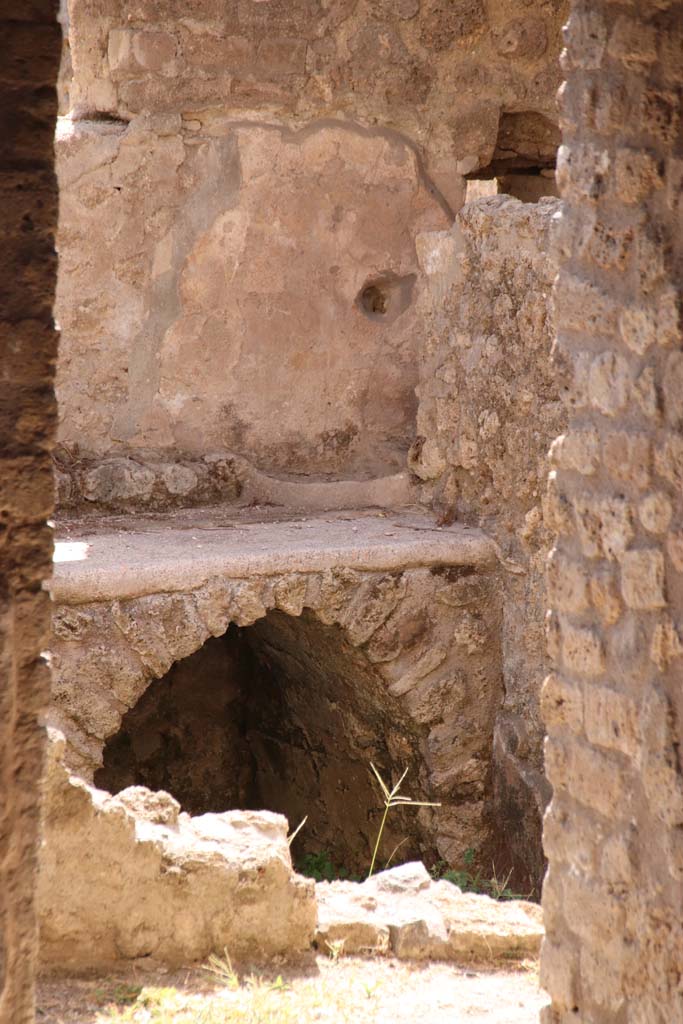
x: 614, y: 704
x: 29, y: 58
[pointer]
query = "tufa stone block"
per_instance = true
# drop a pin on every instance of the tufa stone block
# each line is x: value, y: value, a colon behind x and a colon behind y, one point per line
x: 642, y: 579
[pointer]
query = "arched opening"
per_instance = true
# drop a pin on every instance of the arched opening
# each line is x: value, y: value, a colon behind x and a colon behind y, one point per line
x: 284, y: 715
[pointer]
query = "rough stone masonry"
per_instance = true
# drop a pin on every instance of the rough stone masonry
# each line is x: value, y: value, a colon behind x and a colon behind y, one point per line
x: 335, y: 646
x: 29, y: 59
x: 488, y: 405
x: 613, y: 705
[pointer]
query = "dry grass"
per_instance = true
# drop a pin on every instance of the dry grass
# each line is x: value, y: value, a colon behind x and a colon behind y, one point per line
x: 327, y: 990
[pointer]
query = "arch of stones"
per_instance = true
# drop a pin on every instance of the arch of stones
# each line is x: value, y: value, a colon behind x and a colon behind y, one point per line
x: 612, y: 704
x: 106, y: 653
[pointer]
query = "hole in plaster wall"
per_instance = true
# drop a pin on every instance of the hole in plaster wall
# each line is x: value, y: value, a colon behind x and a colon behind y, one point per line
x: 102, y: 117
x: 284, y: 715
x: 374, y: 300
x: 386, y: 296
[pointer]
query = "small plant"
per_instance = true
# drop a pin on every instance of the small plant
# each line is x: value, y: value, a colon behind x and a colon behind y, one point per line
x: 395, y: 851
x: 279, y: 985
x: 221, y: 968
x: 335, y: 949
x: 151, y: 999
x: 322, y: 868
x: 392, y: 798
x: 318, y: 866
x: 123, y: 994
x: 295, y: 833
x: 470, y: 881
x: 499, y: 887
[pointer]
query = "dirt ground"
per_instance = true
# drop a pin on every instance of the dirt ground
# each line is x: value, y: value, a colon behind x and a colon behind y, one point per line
x: 325, y: 990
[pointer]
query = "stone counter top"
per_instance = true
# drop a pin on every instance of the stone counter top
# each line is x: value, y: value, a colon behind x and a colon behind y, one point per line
x: 123, y: 557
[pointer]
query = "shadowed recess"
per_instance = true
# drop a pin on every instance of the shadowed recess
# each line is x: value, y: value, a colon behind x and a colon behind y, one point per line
x: 284, y: 715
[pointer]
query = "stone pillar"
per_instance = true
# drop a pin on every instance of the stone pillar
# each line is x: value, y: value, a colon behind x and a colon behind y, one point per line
x: 29, y: 60
x: 614, y: 704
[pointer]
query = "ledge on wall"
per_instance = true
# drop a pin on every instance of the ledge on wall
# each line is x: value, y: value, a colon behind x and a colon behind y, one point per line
x: 129, y: 557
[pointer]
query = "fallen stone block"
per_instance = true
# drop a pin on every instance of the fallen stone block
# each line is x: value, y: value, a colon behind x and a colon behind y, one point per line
x: 404, y: 912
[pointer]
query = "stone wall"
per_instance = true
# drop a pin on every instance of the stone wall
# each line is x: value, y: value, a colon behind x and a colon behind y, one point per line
x: 489, y: 408
x: 29, y: 52
x: 241, y: 194
x: 614, y: 704
x: 247, y: 288
x: 246, y: 296
x: 194, y: 886
x: 399, y: 668
x: 397, y: 65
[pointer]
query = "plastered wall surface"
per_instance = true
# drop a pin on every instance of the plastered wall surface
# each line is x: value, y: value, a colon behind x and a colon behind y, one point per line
x: 29, y: 60
x: 212, y: 293
x: 613, y: 704
x: 242, y: 188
